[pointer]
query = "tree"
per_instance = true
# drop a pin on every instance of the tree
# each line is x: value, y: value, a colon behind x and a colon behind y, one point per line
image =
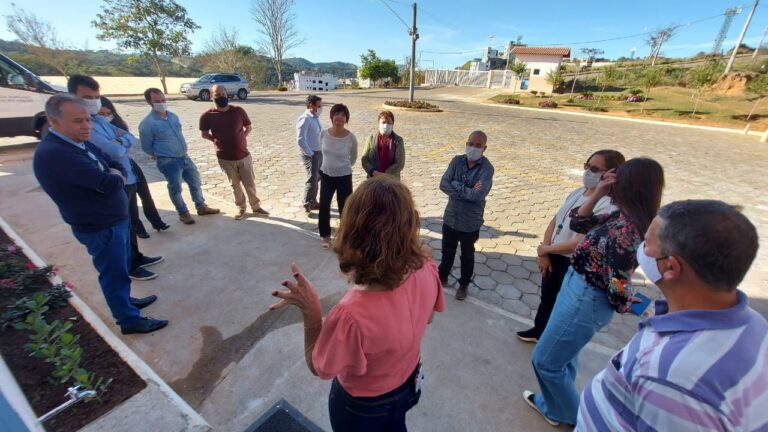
x: 759, y: 87
x: 42, y: 39
x: 610, y: 77
x: 518, y: 68
x: 223, y: 52
x: 374, y: 68
x: 151, y: 27
x: 555, y: 78
x: 591, y: 53
x: 279, y: 35
x: 651, y: 78
x: 657, y: 38
x: 704, y: 76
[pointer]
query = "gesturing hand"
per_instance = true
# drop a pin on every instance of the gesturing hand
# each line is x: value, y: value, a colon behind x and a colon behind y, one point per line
x: 606, y: 183
x: 300, y: 293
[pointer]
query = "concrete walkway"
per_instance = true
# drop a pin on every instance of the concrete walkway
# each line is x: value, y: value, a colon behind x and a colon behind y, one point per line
x: 231, y: 359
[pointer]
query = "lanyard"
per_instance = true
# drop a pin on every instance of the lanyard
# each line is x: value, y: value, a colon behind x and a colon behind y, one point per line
x: 565, y: 216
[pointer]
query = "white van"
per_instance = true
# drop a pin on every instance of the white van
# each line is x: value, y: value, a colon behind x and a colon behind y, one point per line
x: 22, y: 100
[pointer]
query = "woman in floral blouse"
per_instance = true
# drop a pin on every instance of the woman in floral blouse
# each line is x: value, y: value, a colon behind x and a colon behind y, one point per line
x: 597, y: 284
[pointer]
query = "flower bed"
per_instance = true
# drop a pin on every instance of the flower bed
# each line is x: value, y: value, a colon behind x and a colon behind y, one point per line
x: 417, y: 105
x: 548, y: 104
x: 48, y: 346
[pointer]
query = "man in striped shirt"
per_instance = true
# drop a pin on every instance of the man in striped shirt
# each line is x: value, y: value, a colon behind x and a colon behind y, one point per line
x: 701, y: 363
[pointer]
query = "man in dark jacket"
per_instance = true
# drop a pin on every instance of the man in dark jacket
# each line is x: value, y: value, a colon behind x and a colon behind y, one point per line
x: 87, y: 186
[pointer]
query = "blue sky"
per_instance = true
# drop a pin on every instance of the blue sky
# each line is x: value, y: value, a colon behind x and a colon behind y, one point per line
x: 452, y: 31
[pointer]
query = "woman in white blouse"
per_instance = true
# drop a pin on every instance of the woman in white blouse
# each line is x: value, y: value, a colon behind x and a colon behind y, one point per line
x: 339, y: 147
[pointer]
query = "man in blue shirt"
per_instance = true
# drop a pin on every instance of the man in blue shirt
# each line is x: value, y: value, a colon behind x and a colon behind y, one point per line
x: 308, y: 130
x: 466, y: 182
x: 115, y: 143
x: 88, y: 188
x: 162, y: 140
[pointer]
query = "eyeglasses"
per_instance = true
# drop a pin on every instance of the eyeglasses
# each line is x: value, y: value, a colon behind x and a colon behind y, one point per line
x: 593, y: 169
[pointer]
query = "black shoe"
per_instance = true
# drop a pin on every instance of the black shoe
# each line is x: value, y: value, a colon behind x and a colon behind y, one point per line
x: 143, y: 235
x: 150, y: 261
x: 164, y: 226
x: 444, y: 281
x: 461, y: 293
x: 530, y: 335
x: 143, y: 302
x: 141, y: 274
x: 145, y: 325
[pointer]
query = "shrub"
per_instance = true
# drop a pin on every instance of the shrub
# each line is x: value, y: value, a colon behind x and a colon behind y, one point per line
x: 548, y: 104
x: 587, y: 94
x: 570, y: 100
x: 543, y: 94
x: 282, y: 88
x: 585, y: 97
x: 596, y: 108
x: 534, y: 92
x: 636, y: 91
x: 511, y: 101
x: 638, y: 98
x: 414, y: 104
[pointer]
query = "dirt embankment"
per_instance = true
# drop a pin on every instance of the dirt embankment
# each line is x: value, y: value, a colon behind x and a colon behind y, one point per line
x: 733, y: 84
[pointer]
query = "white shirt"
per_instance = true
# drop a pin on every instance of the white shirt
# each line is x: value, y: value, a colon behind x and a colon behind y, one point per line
x: 339, y: 154
x: 562, y: 232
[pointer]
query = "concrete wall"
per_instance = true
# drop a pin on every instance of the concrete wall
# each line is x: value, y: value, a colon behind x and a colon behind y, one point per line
x: 128, y: 85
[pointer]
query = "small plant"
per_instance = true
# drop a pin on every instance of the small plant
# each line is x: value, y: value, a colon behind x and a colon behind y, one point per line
x: 637, y: 98
x: 53, y: 298
x: 282, y: 88
x: 543, y: 94
x: 596, y: 108
x: 636, y: 91
x: 586, y: 94
x: 534, y: 92
x: 548, y: 104
x: 570, y: 100
x: 511, y: 101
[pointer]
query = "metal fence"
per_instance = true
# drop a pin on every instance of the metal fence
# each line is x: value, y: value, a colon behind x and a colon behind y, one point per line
x: 465, y: 78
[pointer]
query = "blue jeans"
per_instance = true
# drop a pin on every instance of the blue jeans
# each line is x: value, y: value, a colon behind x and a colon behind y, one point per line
x: 580, y: 312
x: 111, y: 253
x: 175, y: 170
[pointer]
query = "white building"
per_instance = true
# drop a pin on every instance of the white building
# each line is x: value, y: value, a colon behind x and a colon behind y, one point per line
x: 492, y: 59
x: 310, y: 81
x: 539, y: 61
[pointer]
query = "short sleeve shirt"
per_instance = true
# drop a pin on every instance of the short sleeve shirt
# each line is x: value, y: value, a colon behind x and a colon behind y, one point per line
x: 227, y: 130
x: 563, y: 232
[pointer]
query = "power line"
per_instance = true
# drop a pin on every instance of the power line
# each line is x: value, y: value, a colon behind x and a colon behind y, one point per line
x: 396, y: 14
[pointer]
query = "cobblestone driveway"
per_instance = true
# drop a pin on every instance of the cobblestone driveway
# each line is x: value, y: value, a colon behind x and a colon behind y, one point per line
x: 537, y: 156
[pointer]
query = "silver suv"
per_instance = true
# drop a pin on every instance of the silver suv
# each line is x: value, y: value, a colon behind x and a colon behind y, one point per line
x: 201, y: 89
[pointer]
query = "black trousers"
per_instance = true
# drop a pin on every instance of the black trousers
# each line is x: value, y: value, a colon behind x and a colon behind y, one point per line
x: 136, y: 256
x: 342, y: 186
x: 550, y: 287
x: 451, y: 239
x: 147, y: 203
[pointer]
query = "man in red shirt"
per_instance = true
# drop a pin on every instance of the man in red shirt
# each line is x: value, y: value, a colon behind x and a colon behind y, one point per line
x: 228, y: 126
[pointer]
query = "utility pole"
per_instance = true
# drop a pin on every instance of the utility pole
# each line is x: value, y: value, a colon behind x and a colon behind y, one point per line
x: 754, y: 54
x: 741, y: 38
x: 414, y: 37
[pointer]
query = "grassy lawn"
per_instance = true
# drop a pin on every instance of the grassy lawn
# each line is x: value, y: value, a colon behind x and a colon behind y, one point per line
x: 666, y: 104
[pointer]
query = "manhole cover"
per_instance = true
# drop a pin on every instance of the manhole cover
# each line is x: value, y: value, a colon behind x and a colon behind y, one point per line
x: 283, y: 417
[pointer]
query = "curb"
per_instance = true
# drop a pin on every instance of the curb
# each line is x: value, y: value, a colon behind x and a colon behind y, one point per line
x: 652, y: 122
x: 196, y: 422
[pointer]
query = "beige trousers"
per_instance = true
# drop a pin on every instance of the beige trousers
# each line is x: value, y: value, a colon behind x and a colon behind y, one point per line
x: 241, y: 171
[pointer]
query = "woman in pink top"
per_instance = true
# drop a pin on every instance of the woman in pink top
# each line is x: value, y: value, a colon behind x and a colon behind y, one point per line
x: 370, y: 342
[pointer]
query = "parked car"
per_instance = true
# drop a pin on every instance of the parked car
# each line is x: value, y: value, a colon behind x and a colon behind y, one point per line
x: 22, y: 100
x: 201, y: 89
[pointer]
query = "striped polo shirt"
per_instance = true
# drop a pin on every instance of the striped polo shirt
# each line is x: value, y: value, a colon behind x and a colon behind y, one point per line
x: 692, y: 370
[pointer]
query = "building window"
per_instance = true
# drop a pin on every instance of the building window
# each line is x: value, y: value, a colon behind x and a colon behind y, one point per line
x: 536, y: 71
x: 319, y: 81
x: 313, y: 81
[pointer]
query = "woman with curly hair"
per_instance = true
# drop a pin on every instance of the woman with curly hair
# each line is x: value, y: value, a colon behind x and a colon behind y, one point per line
x: 370, y: 343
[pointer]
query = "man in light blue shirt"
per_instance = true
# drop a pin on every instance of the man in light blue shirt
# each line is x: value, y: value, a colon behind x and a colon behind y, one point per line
x: 308, y: 130
x: 115, y: 143
x: 162, y: 139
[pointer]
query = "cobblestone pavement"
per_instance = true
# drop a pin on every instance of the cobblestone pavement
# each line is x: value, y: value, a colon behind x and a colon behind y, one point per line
x: 537, y: 156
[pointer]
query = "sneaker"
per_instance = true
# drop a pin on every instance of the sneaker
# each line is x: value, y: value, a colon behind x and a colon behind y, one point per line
x: 145, y: 325
x: 186, y: 218
x: 529, y: 335
x: 461, y: 293
x: 143, y: 302
x: 260, y: 212
x: 147, y: 261
x: 240, y: 214
x: 141, y: 274
x: 142, y: 235
x: 528, y: 396
x: 205, y: 210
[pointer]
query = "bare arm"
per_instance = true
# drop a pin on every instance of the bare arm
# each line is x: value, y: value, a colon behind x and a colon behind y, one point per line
x: 248, y: 130
x: 207, y: 135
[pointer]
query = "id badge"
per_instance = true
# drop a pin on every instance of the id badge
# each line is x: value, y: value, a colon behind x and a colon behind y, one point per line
x: 419, y: 379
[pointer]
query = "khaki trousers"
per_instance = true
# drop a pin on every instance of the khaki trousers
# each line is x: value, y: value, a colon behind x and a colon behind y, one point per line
x: 241, y: 171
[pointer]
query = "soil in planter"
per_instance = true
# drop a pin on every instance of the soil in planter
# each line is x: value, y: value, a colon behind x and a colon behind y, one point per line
x: 33, y: 375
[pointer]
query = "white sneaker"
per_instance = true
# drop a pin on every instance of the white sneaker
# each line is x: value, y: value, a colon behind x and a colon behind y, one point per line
x: 528, y: 396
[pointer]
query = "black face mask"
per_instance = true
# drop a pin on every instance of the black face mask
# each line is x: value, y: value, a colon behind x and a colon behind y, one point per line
x: 221, y: 102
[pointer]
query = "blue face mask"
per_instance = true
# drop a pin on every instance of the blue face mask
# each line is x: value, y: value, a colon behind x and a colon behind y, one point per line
x: 474, y: 154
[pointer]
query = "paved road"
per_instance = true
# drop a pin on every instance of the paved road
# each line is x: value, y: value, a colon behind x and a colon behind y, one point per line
x: 537, y: 155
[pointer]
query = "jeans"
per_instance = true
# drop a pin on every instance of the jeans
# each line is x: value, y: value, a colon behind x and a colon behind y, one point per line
x: 133, y: 209
x: 241, y: 172
x: 109, y: 249
x: 175, y: 170
x: 342, y: 186
x: 372, y: 414
x: 451, y: 239
x: 580, y: 312
x: 550, y: 287
x: 312, y: 167
x: 147, y: 203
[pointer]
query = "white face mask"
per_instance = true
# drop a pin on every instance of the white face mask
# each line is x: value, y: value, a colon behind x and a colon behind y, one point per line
x: 648, y: 264
x: 160, y: 107
x: 385, y: 128
x: 319, y: 111
x: 474, y: 154
x: 92, y: 106
x: 108, y: 118
x: 591, y: 179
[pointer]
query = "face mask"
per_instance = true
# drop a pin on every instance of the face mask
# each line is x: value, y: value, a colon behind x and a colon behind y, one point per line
x: 648, y: 264
x: 222, y: 101
x: 474, y: 154
x: 385, y: 129
x: 109, y: 118
x: 92, y: 106
x: 319, y: 112
x: 591, y: 179
x: 160, y: 107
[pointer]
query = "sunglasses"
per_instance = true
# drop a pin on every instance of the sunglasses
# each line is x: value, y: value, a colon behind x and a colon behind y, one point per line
x: 593, y: 169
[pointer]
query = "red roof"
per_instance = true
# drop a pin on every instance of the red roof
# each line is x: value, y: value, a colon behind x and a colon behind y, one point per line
x: 562, y: 52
